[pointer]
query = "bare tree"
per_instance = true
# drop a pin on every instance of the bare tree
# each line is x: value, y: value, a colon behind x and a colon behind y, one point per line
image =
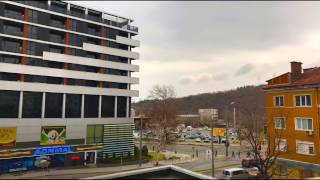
x: 163, y: 113
x: 265, y: 147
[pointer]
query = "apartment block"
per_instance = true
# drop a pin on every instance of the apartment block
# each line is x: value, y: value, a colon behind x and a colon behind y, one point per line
x: 65, y: 84
x: 292, y: 113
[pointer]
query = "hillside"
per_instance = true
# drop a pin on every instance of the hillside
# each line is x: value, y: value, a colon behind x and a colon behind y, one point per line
x: 247, y: 99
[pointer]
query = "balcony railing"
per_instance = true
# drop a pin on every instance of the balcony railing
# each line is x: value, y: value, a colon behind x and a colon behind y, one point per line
x: 132, y: 28
x: 13, y: 14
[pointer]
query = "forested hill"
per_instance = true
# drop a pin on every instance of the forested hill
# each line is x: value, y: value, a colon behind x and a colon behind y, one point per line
x: 247, y: 99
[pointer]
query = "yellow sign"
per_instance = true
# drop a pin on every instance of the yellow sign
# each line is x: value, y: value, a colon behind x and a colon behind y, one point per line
x: 8, y: 136
x: 218, y: 132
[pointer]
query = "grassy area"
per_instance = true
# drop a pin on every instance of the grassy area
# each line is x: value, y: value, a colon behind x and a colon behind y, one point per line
x: 152, y: 155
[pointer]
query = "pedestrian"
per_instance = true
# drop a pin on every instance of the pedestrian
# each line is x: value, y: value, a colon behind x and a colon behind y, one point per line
x: 233, y: 155
x: 197, y: 153
x: 216, y: 153
x: 239, y: 155
x: 248, y: 154
x: 153, y: 148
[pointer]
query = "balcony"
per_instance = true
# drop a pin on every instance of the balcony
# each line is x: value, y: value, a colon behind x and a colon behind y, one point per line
x: 57, y: 24
x: 12, y: 30
x: 14, y: 14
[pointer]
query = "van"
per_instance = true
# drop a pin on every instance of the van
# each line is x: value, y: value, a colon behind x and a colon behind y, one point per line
x: 235, y: 173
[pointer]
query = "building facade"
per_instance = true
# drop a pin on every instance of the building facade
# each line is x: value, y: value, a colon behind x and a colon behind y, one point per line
x: 65, y: 84
x: 292, y: 112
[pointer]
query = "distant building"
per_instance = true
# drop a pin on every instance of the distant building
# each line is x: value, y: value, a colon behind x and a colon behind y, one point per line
x: 292, y: 114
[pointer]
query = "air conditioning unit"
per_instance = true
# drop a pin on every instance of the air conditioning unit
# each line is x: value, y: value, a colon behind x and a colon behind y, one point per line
x: 309, y: 133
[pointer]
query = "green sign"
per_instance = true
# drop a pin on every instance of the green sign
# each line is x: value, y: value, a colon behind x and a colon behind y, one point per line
x: 53, y: 135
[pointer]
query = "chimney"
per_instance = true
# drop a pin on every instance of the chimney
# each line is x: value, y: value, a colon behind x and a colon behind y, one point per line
x: 296, y: 70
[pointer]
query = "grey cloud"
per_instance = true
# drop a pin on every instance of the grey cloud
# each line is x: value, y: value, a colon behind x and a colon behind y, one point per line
x: 244, y: 69
x: 185, y: 81
x: 220, y: 77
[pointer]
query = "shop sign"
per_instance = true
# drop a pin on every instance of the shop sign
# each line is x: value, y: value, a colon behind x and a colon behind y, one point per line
x: 218, y: 132
x: 88, y: 148
x: 8, y: 136
x: 53, y: 150
x: 15, y: 153
x: 51, y: 135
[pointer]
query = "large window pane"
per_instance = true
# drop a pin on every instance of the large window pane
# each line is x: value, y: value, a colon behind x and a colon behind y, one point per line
x: 122, y: 106
x: 53, y: 105
x: 32, y: 103
x: 73, y: 105
x: 91, y: 105
x: 107, y: 106
x: 9, y: 104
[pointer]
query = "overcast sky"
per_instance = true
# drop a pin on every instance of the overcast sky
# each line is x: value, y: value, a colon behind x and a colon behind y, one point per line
x: 209, y: 46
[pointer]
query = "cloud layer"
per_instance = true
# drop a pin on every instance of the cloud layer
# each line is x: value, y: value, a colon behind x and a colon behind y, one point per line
x: 209, y: 46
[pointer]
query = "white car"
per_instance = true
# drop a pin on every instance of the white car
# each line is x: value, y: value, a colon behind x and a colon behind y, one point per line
x: 235, y: 173
x: 198, y: 140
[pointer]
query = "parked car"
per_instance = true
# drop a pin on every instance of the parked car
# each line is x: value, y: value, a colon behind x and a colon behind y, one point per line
x: 235, y: 173
x: 249, y: 163
x: 182, y: 139
x: 198, y: 140
x: 206, y: 140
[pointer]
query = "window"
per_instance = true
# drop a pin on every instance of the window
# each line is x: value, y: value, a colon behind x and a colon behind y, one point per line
x: 12, y: 45
x: 34, y: 78
x: 304, y: 147
x: 94, y: 134
x: 279, y: 123
x: 10, y: 59
x: 283, y: 171
x: 31, y: 48
x: 32, y: 105
x: 281, y: 144
x: 91, y: 106
x: 303, y: 100
x: 9, y: 76
x: 53, y: 105
x: 107, y: 106
x: 32, y: 32
x: 304, y: 124
x: 33, y: 16
x: 122, y: 106
x: 9, y: 104
x: 73, y: 25
x: 73, y: 105
x: 13, y: 29
x: 278, y: 101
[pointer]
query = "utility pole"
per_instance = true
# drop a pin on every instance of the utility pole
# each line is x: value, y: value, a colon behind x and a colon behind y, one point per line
x: 227, y: 140
x: 214, y: 117
x: 140, y: 150
x: 234, y: 118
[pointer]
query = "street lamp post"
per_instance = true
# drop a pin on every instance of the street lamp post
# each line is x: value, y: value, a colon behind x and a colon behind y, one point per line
x: 140, y: 152
x: 214, y: 117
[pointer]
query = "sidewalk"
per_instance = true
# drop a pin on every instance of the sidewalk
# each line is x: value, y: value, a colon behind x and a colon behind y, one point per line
x: 89, y: 170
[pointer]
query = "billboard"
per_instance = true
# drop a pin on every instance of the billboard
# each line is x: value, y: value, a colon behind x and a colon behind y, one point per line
x: 53, y: 135
x: 8, y: 136
x: 218, y: 132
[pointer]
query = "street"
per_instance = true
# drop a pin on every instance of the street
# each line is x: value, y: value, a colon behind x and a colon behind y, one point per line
x: 201, y: 164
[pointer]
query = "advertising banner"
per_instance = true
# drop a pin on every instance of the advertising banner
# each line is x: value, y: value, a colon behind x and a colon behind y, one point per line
x: 8, y: 136
x: 52, y: 135
x: 218, y: 132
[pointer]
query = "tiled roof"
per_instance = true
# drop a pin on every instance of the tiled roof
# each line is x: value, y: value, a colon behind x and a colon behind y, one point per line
x: 310, y: 76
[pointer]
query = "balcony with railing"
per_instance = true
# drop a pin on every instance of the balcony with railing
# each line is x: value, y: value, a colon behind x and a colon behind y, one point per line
x: 58, y: 6
x: 15, y: 14
x: 12, y: 30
